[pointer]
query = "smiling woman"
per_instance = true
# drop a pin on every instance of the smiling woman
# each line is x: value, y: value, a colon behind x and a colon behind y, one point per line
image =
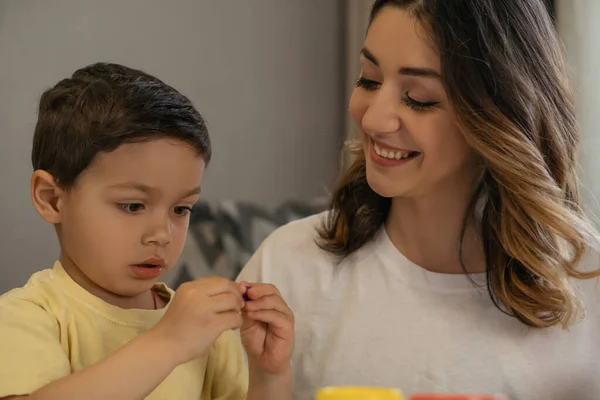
x: 456, y: 234
x: 392, y: 113
x: 400, y: 107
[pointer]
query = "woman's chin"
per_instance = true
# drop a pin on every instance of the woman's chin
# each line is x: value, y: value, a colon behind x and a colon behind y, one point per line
x: 385, y: 186
x: 385, y: 189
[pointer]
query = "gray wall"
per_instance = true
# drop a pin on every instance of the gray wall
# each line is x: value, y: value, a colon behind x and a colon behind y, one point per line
x: 266, y: 74
x: 578, y: 27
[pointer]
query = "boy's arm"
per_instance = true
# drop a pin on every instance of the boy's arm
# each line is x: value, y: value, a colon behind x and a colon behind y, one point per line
x: 264, y: 386
x: 132, y: 372
x: 198, y: 313
x: 30, y: 347
x: 35, y: 366
x: 227, y: 375
x: 268, y: 337
x: 127, y: 370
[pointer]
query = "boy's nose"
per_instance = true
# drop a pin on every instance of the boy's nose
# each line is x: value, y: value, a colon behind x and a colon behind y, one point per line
x: 160, y: 233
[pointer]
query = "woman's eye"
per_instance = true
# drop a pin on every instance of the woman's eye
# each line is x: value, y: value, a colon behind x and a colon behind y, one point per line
x: 367, y: 84
x: 418, y: 106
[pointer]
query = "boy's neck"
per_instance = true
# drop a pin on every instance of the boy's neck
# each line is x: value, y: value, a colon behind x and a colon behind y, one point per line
x: 143, y: 301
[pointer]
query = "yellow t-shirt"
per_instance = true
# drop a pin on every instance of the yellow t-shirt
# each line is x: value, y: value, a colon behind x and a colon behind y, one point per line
x: 52, y: 327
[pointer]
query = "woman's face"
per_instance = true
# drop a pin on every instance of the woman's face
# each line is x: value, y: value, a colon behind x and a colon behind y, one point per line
x: 409, y: 134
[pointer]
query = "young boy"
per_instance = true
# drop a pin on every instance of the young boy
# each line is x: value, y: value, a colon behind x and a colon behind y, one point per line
x: 118, y: 160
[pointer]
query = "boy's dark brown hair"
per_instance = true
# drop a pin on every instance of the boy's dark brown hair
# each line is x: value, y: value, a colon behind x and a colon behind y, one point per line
x: 103, y: 106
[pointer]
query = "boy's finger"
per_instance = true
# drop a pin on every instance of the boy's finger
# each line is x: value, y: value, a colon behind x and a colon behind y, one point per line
x: 258, y: 290
x: 272, y: 302
x: 216, y: 285
x: 230, y: 320
x: 274, y: 318
x: 226, y: 302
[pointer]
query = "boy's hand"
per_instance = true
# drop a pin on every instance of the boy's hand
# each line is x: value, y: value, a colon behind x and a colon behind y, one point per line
x: 268, y: 329
x: 199, y: 313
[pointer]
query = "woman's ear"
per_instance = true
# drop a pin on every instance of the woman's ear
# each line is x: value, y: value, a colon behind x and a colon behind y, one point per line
x: 47, y: 196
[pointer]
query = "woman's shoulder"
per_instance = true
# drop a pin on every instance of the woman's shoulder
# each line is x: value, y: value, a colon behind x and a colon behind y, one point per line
x: 291, y: 249
x: 301, y: 233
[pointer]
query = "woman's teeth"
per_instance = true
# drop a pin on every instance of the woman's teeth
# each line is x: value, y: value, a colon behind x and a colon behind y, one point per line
x: 391, y: 154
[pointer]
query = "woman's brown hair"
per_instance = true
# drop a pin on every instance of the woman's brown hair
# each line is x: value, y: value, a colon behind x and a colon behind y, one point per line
x: 506, y: 79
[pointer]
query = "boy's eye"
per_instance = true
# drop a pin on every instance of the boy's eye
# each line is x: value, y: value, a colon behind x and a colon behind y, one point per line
x: 183, y: 210
x: 131, y: 207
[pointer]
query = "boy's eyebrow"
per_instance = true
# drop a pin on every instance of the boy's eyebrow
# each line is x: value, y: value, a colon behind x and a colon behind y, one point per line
x: 149, y: 189
x: 193, y: 192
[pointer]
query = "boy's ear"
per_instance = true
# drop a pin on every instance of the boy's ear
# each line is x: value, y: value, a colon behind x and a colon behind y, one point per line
x: 47, y: 196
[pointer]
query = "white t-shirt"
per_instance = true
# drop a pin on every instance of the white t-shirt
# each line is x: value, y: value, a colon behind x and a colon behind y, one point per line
x: 377, y: 319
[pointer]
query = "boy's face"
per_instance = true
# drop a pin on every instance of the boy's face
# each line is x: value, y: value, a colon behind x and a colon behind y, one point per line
x: 129, y: 207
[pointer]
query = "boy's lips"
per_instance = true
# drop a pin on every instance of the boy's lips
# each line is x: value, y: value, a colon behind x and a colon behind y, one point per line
x: 154, y: 261
x: 150, y: 268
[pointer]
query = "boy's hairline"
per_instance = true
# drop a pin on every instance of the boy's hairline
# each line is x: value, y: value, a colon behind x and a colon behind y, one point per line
x: 136, y: 140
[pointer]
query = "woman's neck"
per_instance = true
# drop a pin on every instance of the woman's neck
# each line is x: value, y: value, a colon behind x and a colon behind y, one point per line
x: 428, y: 230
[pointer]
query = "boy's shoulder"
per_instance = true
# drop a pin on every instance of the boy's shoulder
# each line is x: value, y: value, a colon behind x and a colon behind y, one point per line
x: 39, y: 291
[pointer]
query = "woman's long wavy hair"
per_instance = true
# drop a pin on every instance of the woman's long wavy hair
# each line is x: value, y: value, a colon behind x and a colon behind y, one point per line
x: 505, y: 76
